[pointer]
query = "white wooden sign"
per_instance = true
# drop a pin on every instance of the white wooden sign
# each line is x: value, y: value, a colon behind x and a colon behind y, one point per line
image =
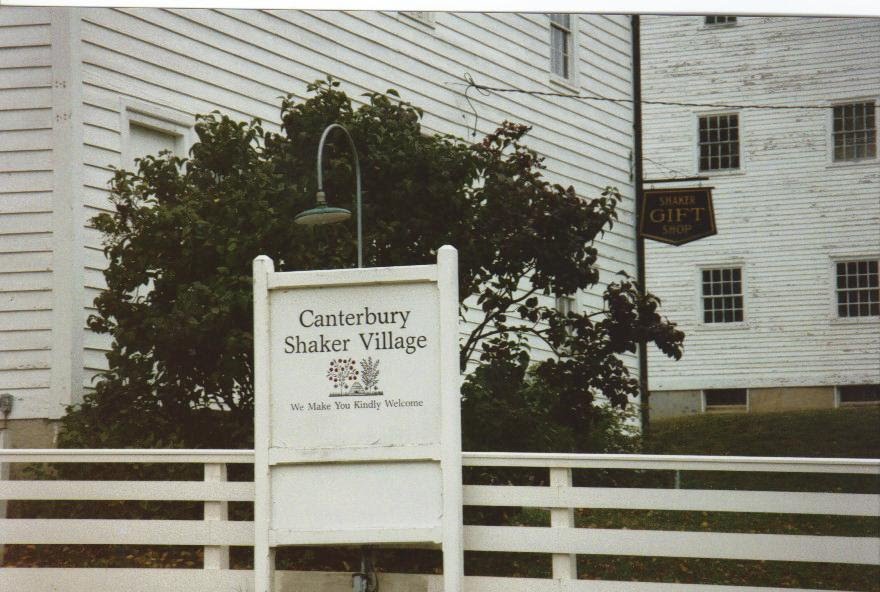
x: 357, y: 414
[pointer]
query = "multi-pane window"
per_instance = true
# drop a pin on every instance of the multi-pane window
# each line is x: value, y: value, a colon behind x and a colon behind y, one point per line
x: 855, y: 131
x: 720, y: 20
x: 859, y: 393
x: 719, y: 142
x: 722, y: 295
x: 560, y: 45
x: 858, y: 290
x: 725, y: 398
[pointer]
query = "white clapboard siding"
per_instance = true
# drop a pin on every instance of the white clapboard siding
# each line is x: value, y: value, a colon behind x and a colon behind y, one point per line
x: 25, y: 202
x: 186, y: 62
x: 785, y: 217
x: 25, y: 206
x: 21, y: 301
x: 24, y: 222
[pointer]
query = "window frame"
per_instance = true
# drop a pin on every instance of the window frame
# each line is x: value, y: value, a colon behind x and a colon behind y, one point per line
x: 700, y: 310
x: 175, y: 123
x: 722, y: 25
x: 565, y: 304
x: 839, y: 402
x: 830, y: 132
x: 745, y: 407
x: 835, y: 313
x: 570, y: 82
x: 697, y: 145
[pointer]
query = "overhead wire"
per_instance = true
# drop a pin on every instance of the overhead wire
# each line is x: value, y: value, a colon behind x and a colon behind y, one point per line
x: 486, y: 90
x: 470, y: 84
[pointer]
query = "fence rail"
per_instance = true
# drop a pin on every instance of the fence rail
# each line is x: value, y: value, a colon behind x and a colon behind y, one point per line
x: 562, y: 539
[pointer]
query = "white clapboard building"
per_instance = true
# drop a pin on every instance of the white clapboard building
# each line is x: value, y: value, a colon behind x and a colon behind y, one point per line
x: 780, y: 307
x: 83, y: 90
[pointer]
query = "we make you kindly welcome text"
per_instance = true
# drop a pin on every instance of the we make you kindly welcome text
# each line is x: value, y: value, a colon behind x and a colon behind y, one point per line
x: 371, y: 340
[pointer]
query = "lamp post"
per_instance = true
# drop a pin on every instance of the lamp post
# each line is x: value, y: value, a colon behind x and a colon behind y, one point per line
x: 363, y: 581
x: 324, y: 214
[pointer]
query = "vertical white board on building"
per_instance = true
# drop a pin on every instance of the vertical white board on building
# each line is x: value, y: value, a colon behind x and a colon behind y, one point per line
x: 357, y: 425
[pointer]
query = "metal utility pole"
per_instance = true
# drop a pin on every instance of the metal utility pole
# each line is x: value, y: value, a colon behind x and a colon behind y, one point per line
x: 638, y: 173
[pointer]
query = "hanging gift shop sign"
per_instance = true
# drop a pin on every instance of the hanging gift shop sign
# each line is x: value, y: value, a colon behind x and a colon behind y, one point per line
x: 677, y: 216
x: 357, y: 414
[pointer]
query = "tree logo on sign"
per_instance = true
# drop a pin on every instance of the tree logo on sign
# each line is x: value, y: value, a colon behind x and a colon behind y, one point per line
x: 350, y: 381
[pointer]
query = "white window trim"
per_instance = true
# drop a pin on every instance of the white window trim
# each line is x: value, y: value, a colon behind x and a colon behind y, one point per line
x: 175, y: 123
x: 699, y: 322
x: 571, y: 83
x: 695, y: 135
x: 705, y: 407
x: 829, y: 133
x: 566, y: 303
x: 832, y: 283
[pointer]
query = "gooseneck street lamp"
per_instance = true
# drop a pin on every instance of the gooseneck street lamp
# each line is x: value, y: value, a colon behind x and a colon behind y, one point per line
x: 324, y: 214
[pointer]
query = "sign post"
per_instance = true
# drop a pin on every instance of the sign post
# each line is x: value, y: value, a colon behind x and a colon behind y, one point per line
x: 357, y: 416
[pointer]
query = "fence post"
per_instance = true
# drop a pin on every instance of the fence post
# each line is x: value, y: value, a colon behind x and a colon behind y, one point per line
x: 4, y: 475
x: 564, y: 565
x: 216, y: 557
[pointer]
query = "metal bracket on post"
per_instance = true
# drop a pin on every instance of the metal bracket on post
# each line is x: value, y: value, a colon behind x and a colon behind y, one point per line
x: 366, y: 580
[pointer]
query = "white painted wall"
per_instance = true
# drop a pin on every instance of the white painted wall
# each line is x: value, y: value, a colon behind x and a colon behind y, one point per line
x: 26, y: 183
x: 785, y: 216
x: 170, y: 65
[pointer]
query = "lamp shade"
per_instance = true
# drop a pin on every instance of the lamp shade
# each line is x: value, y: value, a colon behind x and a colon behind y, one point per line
x: 322, y: 215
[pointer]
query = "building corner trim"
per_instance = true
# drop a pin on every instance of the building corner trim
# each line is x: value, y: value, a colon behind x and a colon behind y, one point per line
x: 68, y: 229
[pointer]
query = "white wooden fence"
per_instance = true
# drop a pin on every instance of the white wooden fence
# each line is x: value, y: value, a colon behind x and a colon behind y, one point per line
x: 561, y: 538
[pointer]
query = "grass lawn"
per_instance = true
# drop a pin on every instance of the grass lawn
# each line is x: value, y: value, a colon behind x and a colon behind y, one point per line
x: 841, y: 433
